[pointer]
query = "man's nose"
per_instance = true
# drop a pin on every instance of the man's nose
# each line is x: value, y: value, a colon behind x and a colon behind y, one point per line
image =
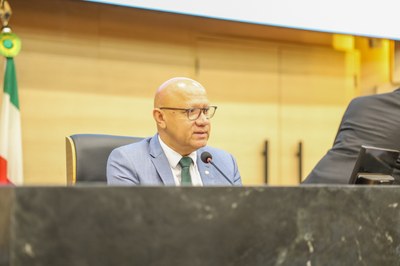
x: 202, y: 119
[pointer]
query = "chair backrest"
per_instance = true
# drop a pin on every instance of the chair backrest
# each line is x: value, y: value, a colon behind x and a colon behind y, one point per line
x: 87, y: 156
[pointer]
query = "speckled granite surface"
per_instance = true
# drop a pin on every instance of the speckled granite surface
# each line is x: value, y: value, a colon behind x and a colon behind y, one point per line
x: 201, y: 226
x: 6, y: 198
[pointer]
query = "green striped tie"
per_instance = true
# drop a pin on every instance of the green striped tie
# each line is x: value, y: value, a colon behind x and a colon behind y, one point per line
x: 185, y: 163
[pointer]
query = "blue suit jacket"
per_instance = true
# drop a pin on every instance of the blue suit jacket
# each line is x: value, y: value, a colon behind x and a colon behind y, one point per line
x: 144, y: 163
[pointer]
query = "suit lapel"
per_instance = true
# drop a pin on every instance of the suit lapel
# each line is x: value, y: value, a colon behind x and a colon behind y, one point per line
x: 160, y: 162
x: 209, y: 175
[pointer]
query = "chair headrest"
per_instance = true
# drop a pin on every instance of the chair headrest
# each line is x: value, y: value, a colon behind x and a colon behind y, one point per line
x: 92, y: 151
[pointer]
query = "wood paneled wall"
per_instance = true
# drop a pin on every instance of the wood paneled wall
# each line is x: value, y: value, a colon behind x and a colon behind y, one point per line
x: 92, y: 68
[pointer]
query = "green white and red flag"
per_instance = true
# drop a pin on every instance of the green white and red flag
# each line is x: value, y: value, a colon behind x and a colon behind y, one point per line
x: 11, y: 171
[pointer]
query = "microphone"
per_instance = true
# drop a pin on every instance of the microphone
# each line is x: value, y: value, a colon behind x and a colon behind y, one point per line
x: 206, y: 157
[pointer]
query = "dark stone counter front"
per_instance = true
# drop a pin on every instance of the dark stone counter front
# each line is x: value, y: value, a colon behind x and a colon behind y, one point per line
x: 146, y: 226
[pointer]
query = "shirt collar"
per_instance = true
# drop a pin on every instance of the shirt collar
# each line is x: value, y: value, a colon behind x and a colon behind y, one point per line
x: 174, y: 157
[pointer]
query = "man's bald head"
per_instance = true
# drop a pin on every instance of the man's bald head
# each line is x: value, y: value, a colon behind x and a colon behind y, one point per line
x: 176, y: 90
x: 172, y: 102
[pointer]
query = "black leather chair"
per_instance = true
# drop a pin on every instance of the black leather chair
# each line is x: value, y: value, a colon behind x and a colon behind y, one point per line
x: 87, y: 156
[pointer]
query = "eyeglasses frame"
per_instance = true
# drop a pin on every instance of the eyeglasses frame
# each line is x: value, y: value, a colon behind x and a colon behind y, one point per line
x: 187, y: 110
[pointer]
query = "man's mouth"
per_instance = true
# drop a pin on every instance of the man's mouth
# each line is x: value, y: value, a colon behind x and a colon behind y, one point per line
x: 201, y: 133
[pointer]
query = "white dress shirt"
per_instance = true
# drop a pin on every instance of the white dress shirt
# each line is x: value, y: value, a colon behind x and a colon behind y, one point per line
x: 174, y: 158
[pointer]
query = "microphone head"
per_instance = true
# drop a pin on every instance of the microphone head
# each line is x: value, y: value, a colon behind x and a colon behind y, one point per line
x: 206, y: 157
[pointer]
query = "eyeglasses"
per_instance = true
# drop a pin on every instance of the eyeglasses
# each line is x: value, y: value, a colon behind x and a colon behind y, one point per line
x: 194, y: 113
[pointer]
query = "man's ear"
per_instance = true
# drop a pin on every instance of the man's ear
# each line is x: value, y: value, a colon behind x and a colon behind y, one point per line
x: 159, y: 117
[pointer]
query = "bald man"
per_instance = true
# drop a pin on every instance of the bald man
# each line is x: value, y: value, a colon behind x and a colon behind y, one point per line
x: 182, y: 114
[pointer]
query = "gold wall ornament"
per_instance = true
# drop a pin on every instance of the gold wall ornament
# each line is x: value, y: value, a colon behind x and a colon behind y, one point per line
x: 5, y: 12
x: 10, y: 43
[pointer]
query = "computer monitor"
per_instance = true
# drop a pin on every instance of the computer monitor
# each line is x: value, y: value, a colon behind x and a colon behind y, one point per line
x: 374, y: 166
